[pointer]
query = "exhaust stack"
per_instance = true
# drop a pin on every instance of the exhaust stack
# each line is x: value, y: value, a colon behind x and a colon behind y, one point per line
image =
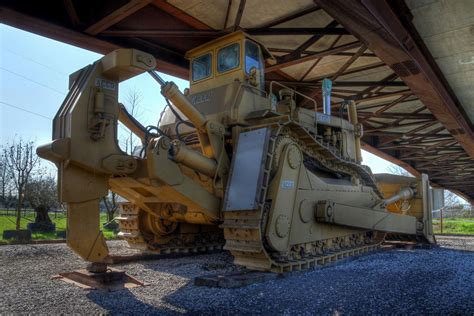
x: 327, y: 86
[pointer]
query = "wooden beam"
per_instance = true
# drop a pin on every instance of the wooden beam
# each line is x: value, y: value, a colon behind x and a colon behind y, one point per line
x: 320, y: 54
x: 215, y: 33
x: 291, y: 16
x: 179, y: 14
x: 317, y: 61
x: 238, y: 18
x: 164, y: 33
x: 285, y: 31
x: 227, y: 13
x: 375, y: 90
x: 377, y: 24
x: 53, y: 31
x: 373, y: 106
x: 391, y: 105
x: 348, y: 63
x: 396, y: 115
x: 382, y: 95
x: 353, y: 70
x: 59, y: 33
x: 71, y: 12
x: 394, y: 126
x: 346, y: 83
x: 307, y: 72
x: 351, y: 54
x: 116, y: 16
x: 309, y: 52
x: 311, y: 41
x: 400, y: 134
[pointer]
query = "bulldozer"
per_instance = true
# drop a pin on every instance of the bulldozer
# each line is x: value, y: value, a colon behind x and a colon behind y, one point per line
x: 235, y: 162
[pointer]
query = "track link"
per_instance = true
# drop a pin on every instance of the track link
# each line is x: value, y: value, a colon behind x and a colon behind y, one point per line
x: 130, y: 230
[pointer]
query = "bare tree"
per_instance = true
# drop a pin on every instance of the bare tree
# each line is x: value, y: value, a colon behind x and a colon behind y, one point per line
x: 111, y: 205
x: 5, y: 179
x: 133, y: 103
x: 451, y: 200
x: 41, y: 192
x: 394, y: 169
x: 20, y: 161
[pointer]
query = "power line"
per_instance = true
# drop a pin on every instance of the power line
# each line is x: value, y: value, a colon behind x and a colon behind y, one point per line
x: 36, y: 62
x: 25, y: 110
x: 34, y: 81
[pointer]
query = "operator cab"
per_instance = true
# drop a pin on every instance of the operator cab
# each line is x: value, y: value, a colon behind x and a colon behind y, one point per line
x: 234, y: 57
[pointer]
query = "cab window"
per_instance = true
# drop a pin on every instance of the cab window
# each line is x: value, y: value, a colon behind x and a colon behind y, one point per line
x: 228, y: 58
x: 252, y: 56
x: 201, y: 67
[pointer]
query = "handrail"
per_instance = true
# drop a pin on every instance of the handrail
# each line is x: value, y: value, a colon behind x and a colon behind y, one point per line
x: 298, y: 93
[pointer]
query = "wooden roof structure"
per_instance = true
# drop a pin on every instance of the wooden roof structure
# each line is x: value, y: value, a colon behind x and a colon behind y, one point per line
x: 412, y: 99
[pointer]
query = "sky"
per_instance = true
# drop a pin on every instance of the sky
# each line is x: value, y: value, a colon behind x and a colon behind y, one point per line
x: 34, y: 75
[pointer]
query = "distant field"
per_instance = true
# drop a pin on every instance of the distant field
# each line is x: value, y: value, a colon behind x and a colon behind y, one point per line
x: 7, y: 222
x: 454, y: 226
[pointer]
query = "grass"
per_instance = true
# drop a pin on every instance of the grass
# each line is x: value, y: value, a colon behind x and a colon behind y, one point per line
x: 454, y: 226
x: 7, y: 222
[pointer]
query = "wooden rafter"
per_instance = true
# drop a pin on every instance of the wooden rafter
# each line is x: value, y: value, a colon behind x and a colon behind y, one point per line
x: 240, y: 12
x: 217, y: 33
x: 396, y: 115
x: 412, y: 132
x: 390, y: 37
x: 394, y: 126
x: 311, y: 41
x: 314, y: 56
x: 353, y: 70
x: 391, y: 105
x: 382, y: 95
x: 347, y: 83
x: 309, y: 52
x: 116, y: 16
x: 71, y: 12
x: 348, y: 63
x: 180, y: 15
x: 227, y: 13
x: 291, y: 16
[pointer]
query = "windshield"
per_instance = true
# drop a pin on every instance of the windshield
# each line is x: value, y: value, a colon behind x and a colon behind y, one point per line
x: 228, y: 57
x: 201, y: 67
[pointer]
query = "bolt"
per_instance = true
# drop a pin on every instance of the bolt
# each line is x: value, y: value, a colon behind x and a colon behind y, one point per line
x: 329, y: 211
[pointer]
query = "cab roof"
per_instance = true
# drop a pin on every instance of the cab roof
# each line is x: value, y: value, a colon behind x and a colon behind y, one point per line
x: 227, y: 39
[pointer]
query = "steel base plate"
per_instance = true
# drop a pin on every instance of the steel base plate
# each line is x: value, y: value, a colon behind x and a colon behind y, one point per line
x: 112, y: 280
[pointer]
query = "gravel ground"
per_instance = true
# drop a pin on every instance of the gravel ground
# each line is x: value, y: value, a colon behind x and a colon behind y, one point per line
x: 434, y: 281
x: 456, y: 242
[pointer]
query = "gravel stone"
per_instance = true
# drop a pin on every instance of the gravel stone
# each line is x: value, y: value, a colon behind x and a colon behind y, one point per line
x: 426, y: 281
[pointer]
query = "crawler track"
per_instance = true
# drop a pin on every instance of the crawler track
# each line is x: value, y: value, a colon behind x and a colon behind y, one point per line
x: 137, y: 238
x: 244, y: 230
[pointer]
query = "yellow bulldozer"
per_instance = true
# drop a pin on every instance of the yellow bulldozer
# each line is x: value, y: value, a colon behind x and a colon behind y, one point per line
x: 235, y: 162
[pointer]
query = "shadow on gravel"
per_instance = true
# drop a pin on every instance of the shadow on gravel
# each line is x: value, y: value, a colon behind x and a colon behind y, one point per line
x: 433, y: 281
x: 194, y: 265
x: 124, y: 302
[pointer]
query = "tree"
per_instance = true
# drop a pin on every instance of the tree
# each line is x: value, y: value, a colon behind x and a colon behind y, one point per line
x: 20, y: 160
x: 394, y: 169
x: 5, y: 179
x: 111, y: 206
x: 41, y: 192
x: 451, y: 200
x: 133, y: 103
